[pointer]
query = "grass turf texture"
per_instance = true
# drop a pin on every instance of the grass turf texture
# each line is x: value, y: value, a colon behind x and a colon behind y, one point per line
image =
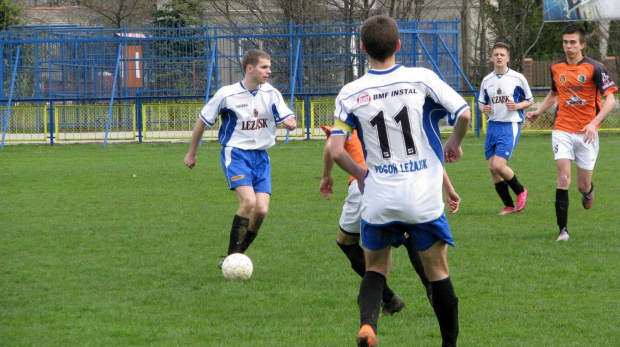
x: 93, y: 255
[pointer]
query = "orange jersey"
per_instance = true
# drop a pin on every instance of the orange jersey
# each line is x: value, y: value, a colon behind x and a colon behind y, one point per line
x: 578, y: 88
x: 353, y: 146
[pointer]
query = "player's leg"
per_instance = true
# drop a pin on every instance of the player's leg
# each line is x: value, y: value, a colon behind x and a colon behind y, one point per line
x: 501, y: 186
x: 445, y: 302
x: 261, y: 184
x: 432, y: 240
x: 564, y: 154
x: 349, y: 242
x: 378, y: 264
x: 561, y: 197
x: 507, y: 138
x: 414, y: 258
x: 585, y: 159
x: 238, y: 176
x: 494, y: 133
x: 256, y: 220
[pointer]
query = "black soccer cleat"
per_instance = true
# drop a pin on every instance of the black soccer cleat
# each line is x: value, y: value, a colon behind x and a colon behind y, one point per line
x: 395, y: 305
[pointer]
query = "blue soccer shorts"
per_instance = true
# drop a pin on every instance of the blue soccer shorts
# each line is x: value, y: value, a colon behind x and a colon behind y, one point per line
x: 424, y: 235
x: 501, y: 139
x: 247, y: 168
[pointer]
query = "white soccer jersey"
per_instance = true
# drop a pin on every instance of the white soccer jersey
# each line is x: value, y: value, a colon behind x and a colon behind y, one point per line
x: 249, y: 118
x: 396, y: 112
x: 496, y: 90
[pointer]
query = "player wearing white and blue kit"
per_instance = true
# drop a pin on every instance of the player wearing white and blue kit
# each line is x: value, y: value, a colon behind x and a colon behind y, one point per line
x: 504, y: 94
x: 249, y: 111
x: 396, y: 113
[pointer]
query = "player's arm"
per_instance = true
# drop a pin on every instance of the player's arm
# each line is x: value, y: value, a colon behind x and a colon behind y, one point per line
x: 609, y: 102
x: 486, y: 109
x: 512, y: 106
x: 199, y: 129
x: 452, y: 148
x: 549, y: 101
x: 452, y: 198
x: 327, y: 181
x: 341, y: 156
x: 290, y: 123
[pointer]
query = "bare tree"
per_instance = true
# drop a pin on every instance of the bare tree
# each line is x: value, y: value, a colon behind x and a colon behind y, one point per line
x: 121, y: 13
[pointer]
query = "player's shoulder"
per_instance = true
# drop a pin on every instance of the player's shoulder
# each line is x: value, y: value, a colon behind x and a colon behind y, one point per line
x: 488, y: 77
x: 559, y: 64
x: 590, y: 61
x: 515, y: 73
x: 230, y: 89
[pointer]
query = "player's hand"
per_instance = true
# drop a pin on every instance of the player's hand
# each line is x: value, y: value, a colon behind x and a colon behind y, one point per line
x: 589, y: 135
x: 511, y: 105
x: 327, y: 187
x: 486, y: 109
x: 451, y: 153
x: 532, y: 115
x: 190, y: 160
x: 453, y: 200
x: 290, y: 123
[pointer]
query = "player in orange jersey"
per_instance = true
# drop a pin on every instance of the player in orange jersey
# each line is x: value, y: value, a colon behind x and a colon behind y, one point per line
x: 577, y: 83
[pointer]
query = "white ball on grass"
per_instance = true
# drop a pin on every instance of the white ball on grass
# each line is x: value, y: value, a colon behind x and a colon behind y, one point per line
x: 237, y: 266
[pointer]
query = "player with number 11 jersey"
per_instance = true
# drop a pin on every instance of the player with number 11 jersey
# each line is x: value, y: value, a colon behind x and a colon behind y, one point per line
x: 397, y: 113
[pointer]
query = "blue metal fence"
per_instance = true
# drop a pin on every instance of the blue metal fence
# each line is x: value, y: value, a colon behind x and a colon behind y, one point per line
x: 70, y: 65
x: 77, y: 63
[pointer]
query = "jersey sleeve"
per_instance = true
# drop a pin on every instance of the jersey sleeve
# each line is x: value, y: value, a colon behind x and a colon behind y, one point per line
x: 447, y: 97
x: 603, y: 81
x: 280, y: 109
x: 211, y: 110
x: 483, y: 96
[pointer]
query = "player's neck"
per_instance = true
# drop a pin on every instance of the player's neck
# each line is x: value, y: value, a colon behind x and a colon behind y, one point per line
x: 501, y: 70
x: 249, y: 84
x: 574, y: 60
x: 382, y: 65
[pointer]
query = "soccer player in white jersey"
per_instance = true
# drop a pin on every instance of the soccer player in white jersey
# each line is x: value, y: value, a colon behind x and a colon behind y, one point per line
x: 396, y: 112
x: 250, y: 111
x: 504, y: 94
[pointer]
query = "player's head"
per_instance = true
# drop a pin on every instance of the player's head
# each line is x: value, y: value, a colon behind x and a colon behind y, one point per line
x: 252, y: 57
x: 380, y: 37
x: 500, y: 54
x: 575, y: 29
x: 573, y: 41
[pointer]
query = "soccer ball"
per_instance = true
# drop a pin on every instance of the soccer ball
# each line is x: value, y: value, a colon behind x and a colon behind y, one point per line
x: 237, y: 266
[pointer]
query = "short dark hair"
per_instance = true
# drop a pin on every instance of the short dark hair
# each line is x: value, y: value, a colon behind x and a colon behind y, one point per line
x: 252, y: 57
x: 500, y: 44
x: 575, y: 29
x: 380, y: 37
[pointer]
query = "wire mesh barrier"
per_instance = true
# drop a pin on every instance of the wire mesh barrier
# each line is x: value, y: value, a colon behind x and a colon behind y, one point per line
x: 153, y: 81
x: 69, y: 83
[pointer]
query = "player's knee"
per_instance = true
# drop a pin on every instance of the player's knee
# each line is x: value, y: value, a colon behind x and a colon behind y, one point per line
x: 247, y: 204
x: 261, y: 210
x: 584, y: 187
x: 563, y: 180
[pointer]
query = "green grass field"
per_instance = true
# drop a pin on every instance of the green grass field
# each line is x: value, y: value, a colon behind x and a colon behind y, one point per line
x: 119, y: 246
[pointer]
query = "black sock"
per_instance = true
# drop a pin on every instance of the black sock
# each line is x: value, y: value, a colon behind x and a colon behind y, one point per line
x: 247, y: 240
x: 561, y: 207
x: 355, y: 254
x: 504, y: 194
x: 591, y: 188
x: 237, y: 232
x: 369, y: 298
x: 445, y: 304
x: 515, y: 185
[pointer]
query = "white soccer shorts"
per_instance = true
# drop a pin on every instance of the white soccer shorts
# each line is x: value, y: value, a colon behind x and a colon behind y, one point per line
x: 571, y: 146
x: 351, y: 217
